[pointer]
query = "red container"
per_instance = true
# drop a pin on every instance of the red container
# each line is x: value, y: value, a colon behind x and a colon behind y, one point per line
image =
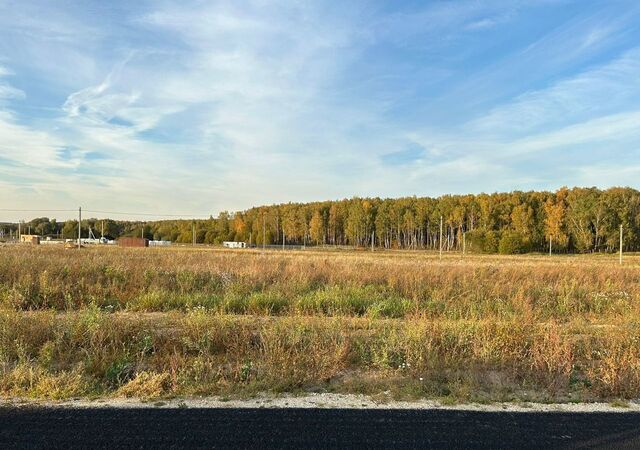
x: 133, y: 242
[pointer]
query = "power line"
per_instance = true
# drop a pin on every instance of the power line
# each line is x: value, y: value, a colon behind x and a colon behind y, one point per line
x: 146, y: 214
x: 37, y: 210
x: 121, y: 213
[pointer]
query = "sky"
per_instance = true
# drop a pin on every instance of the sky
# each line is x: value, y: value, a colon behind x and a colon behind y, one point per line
x: 195, y: 107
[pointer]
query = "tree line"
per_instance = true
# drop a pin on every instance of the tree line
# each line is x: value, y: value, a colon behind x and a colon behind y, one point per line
x: 571, y: 220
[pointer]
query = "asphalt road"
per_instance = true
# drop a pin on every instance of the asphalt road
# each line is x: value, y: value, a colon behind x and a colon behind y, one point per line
x: 312, y: 428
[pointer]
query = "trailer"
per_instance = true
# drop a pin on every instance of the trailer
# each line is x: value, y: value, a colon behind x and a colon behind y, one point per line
x: 159, y: 243
x: 234, y: 244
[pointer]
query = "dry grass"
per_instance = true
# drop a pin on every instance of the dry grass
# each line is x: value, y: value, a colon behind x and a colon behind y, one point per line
x: 153, y: 323
x: 379, y: 285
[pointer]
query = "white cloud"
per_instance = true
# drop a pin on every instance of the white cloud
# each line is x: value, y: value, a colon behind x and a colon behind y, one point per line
x: 205, y: 106
x: 95, y: 102
x: 6, y: 90
x: 598, y: 90
x: 9, y: 92
x: 605, y: 175
x: 610, y: 129
x: 26, y: 146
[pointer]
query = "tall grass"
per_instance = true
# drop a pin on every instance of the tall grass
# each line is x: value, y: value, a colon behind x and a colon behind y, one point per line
x: 166, y: 322
x: 382, y: 285
x: 93, y: 353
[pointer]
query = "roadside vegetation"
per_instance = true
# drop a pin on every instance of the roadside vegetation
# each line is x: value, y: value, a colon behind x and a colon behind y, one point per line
x: 171, y: 322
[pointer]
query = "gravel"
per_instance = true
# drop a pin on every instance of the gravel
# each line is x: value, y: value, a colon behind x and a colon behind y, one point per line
x: 321, y: 400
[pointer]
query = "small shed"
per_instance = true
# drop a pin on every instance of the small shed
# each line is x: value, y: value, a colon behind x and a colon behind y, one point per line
x: 30, y: 239
x: 133, y: 242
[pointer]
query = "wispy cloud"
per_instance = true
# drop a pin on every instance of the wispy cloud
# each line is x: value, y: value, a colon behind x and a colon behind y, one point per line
x: 92, y: 101
x: 599, y: 90
x: 611, y: 129
x: 7, y: 91
x: 206, y: 106
x: 26, y: 146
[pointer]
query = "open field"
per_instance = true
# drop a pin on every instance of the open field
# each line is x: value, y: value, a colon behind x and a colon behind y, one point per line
x: 182, y: 322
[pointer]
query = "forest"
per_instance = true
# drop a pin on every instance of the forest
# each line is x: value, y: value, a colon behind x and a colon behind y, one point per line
x: 577, y: 220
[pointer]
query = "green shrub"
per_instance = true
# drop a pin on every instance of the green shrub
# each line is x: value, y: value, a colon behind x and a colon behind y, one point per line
x: 119, y: 372
x: 483, y: 241
x: 512, y: 243
x: 475, y: 241
x: 392, y: 308
x: 491, y: 241
x: 266, y: 303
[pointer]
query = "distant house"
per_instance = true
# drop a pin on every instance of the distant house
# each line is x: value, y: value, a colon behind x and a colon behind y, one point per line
x: 233, y: 244
x: 133, y: 242
x: 30, y: 239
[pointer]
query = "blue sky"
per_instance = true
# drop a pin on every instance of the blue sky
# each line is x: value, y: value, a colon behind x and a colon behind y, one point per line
x: 196, y: 107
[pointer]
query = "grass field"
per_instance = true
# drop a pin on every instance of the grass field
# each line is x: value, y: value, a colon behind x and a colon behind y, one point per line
x: 178, y: 321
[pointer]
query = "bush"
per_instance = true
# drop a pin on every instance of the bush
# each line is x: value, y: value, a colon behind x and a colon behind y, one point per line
x: 482, y: 241
x: 491, y: 240
x: 475, y: 241
x: 512, y: 243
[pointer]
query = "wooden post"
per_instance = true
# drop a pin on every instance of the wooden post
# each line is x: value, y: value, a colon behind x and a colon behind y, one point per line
x: 620, y: 244
x: 440, y: 237
x: 79, y: 225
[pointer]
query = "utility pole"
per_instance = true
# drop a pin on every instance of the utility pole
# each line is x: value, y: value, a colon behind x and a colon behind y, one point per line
x: 142, y: 232
x: 102, y: 231
x: 620, y: 244
x: 79, y: 225
x: 19, y: 231
x: 250, y: 236
x: 440, y: 237
x: 193, y: 229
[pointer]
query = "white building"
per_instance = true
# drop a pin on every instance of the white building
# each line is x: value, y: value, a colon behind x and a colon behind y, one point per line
x: 159, y: 243
x: 233, y: 244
